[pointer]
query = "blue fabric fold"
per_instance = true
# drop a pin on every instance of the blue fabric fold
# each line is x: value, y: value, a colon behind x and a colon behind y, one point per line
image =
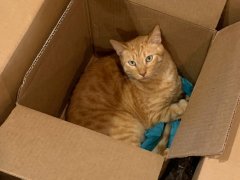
x: 153, y: 135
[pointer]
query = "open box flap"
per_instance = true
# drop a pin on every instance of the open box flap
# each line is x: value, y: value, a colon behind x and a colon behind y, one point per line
x: 23, y: 30
x: 207, y: 121
x: 50, y: 77
x: 196, y: 11
x: 34, y: 145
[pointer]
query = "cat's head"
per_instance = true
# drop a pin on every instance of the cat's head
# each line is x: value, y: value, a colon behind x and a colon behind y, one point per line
x: 141, y: 57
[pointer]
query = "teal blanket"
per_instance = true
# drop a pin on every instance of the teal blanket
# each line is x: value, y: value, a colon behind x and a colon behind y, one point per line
x: 153, y: 135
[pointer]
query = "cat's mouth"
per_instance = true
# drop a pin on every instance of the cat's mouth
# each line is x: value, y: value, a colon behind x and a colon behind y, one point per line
x: 143, y: 78
x: 140, y: 78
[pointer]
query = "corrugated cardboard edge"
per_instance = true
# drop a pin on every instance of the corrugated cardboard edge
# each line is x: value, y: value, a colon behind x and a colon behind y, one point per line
x: 233, y: 115
x: 53, y: 78
x: 230, y: 126
x: 227, y: 165
x: 26, y: 31
x: 219, y: 154
x: 36, y: 60
x: 235, y: 109
x: 176, y: 153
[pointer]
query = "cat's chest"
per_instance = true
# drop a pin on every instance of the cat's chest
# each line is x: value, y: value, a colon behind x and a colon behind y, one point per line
x: 151, y: 103
x: 147, y: 102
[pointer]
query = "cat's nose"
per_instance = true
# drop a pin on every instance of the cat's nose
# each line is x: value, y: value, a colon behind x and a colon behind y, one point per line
x: 143, y: 73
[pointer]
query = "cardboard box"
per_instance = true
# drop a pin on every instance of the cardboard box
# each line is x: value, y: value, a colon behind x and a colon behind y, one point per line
x: 34, y: 145
x: 25, y: 26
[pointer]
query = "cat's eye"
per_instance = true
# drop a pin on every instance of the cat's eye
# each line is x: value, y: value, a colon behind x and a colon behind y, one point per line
x: 132, y: 63
x: 149, y: 58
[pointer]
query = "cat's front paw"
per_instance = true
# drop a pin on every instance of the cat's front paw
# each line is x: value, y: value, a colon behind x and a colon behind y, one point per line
x: 183, y: 106
x: 178, y: 109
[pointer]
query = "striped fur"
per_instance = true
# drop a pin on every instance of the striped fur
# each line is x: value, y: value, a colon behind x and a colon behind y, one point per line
x: 113, y: 98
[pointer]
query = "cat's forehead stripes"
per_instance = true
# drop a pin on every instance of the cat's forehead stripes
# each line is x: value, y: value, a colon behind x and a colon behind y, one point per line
x: 137, y: 49
x: 141, y: 48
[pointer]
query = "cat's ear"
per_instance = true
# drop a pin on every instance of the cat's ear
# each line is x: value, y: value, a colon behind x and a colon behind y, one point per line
x: 118, y: 46
x: 155, y: 36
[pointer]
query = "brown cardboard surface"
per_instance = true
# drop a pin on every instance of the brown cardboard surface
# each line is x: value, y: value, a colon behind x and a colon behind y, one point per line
x: 6, y: 102
x: 231, y: 13
x: 196, y: 11
x: 49, y: 79
x: 25, y: 25
x: 212, y: 109
x: 121, y: 20
x: 15, y: 18
x: 34, y: 145
x: 228, y: 165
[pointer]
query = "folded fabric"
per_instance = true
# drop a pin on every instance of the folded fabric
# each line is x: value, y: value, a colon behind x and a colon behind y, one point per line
x: 153, y: 135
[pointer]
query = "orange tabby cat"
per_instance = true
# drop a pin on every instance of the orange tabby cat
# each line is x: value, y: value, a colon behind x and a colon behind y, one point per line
x: 122, y: 96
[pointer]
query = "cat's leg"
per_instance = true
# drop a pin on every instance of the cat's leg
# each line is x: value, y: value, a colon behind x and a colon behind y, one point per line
x: 127, y: 129
x: 174, y: 111
x: 161, y: 147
